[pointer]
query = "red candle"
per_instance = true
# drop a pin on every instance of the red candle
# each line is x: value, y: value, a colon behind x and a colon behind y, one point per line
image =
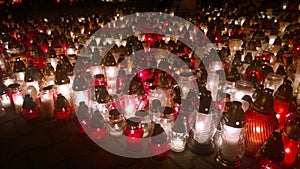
x: 134, y: 133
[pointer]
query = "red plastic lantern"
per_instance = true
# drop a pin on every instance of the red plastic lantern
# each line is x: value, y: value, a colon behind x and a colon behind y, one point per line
x: 270, y: 154
x: 282, y: 102
x: 134, y: 133
x: 260, y: 121
x: 291, y: 140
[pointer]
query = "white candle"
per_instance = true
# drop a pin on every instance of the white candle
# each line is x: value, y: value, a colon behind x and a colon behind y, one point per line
x: 80, y: 96
x: 18, y: 101
x: 203, y: 127
x: 230, y: 139
x: 5, y: 101
x: 47, y: 104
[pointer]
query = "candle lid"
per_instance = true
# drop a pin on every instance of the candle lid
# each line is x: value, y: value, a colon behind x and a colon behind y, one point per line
x: 79, y: 83
x: 285, y: 91
x: 19, y: 66
x: 114, y: 112
x: 168, y: 110
x: 186, y: 106
x: 133, y: 121
x: 28, y: 102
x: 292, y: 129
x: 61, y: 101
x: 3, y: 89
x: 102, y: 94
x: 61, y: 76
x: 48, y: 87
x: 234, y: 117
x: 264, y: 103
x: 109, y: 60
x: 51, y: 53
x: 141, y: 113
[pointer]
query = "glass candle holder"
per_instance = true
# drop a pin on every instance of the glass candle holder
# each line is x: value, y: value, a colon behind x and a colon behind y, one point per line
x: 232, y: 134
x: 260, y: 121
x: 271, y: 153
x: 30, y: 109
x: 98, y: 129
x: 167, y: 119
x: 62, y: 108
x: 155, y: 111
x: 18, y: 101
x: 178, y: 135
x: 83, y: 118
x: 291, y: 141
x: 282, y: 102
x: 47, y: 101
x: 80, y: 90
x: 242, y: 88
x: 143, y: 115
x: 116, y: 122
x: 134, y: 132
x: 158, y: 145
x: 273, y: 81
x: 4, y: 98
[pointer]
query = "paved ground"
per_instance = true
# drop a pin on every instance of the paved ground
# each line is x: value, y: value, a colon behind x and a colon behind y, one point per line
x: 49, y: 143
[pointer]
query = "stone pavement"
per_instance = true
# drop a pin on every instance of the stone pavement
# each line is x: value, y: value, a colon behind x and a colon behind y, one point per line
x: 49, y: 143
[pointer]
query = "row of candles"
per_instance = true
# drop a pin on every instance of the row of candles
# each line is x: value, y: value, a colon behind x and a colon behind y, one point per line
x: 248, y: 123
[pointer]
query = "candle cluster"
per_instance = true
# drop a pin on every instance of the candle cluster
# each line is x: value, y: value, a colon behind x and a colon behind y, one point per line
x: 221, y: 82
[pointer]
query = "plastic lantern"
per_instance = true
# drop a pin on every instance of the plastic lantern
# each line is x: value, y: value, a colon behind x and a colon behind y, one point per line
x: 116, y: 122
x: 167, y: 119
x: 111, y: 71
x: 97, y: 127
x: 158, y: 144
x: 273, y: 81
x: 30, y: 81
x: 271, y: 153
x: 121, y: 80
x: 99, y: 80
x: 200, y: 139
x: 47, y: 101
x: 143, y: 115
x: 256, y: 68
x: 62, y: 82
x: 30, y: 109
x: 19, y: 70
x: 184, y: 81
x: 260, y: 121
x: 155, y: 110
x: 242, y: 88
x: 49, y: 74
x: 282, y: 100
x: 134, y: 132
x: 52, y: 57
x: 291, y: 140
x: 96, y: 67
x: 103, y: 100
x: 5, y: 100
x: 178, y: 134
x: 232, y: 134
x: 83, y: 117
x: 80, y: 90
x: 62, y: 108
x: 18, y: 101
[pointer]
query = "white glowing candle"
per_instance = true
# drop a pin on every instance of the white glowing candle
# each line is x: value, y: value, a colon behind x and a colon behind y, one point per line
x: 5, y: 101
x: 65, y: 90
x: 18, y: 101
x: 47, y: 103
x: 203, y: 127
x: 230, y: 139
